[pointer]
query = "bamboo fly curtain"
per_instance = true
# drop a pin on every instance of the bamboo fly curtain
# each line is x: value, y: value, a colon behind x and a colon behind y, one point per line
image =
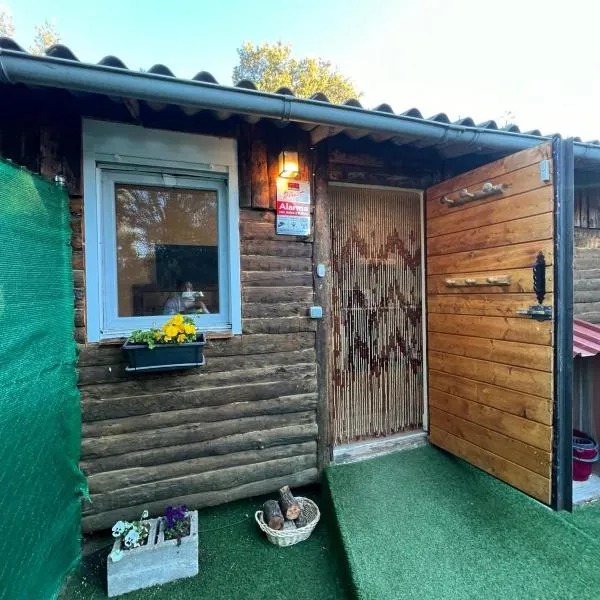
x: 377, y: 356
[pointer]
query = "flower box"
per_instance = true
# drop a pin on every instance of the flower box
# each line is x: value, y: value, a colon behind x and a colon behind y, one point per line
x: 158, y: 561
x: 165, y: 357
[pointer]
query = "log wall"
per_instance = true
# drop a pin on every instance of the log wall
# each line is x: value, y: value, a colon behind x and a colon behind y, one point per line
x: 246, y: 423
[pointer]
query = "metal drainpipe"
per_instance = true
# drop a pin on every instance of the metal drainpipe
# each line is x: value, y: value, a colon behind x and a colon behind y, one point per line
x: 21, y: 67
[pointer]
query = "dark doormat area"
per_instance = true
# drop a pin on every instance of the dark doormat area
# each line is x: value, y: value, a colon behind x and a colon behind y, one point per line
x: 424, y: 524
x: 236, y: 562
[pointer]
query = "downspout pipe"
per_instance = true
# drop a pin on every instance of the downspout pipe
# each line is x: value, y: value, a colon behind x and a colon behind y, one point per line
x: 21, y: 67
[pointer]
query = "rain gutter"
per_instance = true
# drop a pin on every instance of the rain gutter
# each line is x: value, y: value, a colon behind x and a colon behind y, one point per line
x: 21, y: 67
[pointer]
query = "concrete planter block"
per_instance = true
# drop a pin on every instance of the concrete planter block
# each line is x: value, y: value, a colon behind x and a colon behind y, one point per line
x: 158, y: 562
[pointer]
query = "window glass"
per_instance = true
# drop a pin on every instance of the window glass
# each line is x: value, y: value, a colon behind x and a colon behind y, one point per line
x: 167, y: 250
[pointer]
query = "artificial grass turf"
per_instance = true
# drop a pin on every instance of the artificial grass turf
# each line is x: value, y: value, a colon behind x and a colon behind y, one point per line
x: 236, y: 562
x: 423, y: 524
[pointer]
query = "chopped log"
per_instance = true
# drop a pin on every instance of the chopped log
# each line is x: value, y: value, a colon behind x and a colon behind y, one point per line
x: 289, y: 524
x: 301, y: 521
x: 289, y: 505
x: 272, y: 514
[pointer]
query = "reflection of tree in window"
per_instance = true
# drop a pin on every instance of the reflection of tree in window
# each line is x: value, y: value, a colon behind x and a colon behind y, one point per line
x: 181, y: 224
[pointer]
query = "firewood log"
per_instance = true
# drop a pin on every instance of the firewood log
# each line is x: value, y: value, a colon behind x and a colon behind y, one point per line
x: 289, y: 505
x: 288, y: 524
x: 272, y: 514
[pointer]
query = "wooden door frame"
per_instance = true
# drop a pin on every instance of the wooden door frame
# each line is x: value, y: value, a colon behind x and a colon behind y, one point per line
x: 322, y: 287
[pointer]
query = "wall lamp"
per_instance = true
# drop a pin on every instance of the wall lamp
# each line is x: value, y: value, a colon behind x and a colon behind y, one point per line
x: 288, y: 164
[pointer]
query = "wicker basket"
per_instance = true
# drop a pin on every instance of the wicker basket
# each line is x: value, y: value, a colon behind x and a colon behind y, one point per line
x: 289, y: 537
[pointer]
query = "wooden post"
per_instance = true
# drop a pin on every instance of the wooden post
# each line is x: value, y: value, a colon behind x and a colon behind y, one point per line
x: 322, y: 287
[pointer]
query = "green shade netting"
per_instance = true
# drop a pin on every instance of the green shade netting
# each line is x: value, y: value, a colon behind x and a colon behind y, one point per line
x: 39, y: 402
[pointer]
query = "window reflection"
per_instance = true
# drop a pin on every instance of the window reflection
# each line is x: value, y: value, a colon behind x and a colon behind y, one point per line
x: 167, y: 250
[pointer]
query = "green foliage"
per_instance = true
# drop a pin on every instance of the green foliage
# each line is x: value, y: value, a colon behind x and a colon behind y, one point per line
x: 272, y: 66
x: 46, y: 35
x: 148, y: 336
x: 7, y: 28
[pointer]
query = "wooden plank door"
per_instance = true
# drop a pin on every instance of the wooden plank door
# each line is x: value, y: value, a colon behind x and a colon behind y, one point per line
x: 376, y: 301
x: 491, y: 370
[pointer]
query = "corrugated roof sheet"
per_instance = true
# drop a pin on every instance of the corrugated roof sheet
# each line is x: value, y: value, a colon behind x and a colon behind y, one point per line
x: 64, y: 52
x: 586, y: 338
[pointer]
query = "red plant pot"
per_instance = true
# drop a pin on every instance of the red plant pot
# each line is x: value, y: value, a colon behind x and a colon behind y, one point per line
x: 585, y: 454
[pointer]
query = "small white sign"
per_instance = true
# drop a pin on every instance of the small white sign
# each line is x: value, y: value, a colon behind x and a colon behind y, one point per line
x: 293, y: 207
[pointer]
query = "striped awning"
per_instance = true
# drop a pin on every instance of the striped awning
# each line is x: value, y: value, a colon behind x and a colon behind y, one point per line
x: 586, y: 338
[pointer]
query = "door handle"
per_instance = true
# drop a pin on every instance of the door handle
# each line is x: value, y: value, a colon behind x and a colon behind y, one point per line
x: 539, y: 312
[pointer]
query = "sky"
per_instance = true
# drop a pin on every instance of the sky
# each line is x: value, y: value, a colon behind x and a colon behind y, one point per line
x: 537, y: 60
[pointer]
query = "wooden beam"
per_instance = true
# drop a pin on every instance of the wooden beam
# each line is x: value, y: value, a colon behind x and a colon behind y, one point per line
x: 322, y: 287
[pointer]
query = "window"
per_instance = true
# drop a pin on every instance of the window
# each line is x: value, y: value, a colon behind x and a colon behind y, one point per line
x: 167, y: 238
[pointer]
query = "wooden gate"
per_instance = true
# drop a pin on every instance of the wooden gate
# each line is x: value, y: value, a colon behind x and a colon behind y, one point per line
x: 376, y: 362
x: 491, y: 368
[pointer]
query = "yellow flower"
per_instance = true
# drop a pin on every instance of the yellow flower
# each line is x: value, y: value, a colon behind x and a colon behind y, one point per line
x: 189, y: 329
x: 167, y: 338
x: 157, y: 335
x: 170, y: 330
x: 181, y: 338
x: 177, y: 320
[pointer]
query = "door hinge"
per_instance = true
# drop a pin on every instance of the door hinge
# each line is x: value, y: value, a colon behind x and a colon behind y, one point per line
x: 545, y: 171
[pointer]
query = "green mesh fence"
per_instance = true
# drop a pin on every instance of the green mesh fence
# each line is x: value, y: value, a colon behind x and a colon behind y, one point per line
x: 40, y: 481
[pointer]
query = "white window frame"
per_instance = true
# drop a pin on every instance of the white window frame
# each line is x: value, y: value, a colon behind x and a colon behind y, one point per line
x: 116, y: 153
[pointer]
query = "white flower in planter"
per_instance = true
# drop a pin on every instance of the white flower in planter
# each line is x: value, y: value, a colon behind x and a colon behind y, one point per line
x: 132, y: 539
x: 145, y: 514
x: 119, y: 528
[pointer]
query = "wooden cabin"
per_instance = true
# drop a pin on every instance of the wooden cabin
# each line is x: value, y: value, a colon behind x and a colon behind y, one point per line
x: 419, y: 249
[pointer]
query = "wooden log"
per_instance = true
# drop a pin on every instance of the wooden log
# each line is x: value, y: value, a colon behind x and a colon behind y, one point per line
x: 228, y: 444
x: 275, y: 263
x: 276, y: 248
x: 274, y: 278
x: 272, y: 515
x: 112, y: 408
x: 277, y: 309
x: 124, y: 478
x: 257, y: 216
x: 165, y: 382
x: 107, y: 519
x: 251, y: 230
x: 259, y: 171
x: 279, y: 294
x: 186, y: 434
x: 289, y: 505
x: 209, y: 414
x: 288, y: 525
x: 278, y: 325
x: 200, y: 482
x: 100, y: 354
x: 225, y: 364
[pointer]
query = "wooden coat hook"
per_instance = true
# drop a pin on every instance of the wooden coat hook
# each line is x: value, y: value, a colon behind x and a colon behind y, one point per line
x: 481, y: 281
x: 488, y: 189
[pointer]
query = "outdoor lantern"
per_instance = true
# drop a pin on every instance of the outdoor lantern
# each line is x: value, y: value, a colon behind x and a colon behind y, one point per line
x: 288, y: 164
